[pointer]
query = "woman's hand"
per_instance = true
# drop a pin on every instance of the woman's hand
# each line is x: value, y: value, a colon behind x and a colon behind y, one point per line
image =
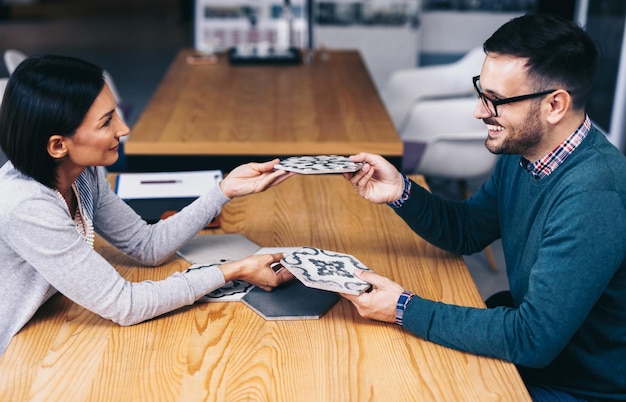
x: 253, y: 178
x: 380, y: 302
x: 378, y: 180
x: 258, y: 269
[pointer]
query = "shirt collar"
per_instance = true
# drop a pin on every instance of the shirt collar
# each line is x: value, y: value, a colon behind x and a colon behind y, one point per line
x: 85, y: 196
x: 549, y: 163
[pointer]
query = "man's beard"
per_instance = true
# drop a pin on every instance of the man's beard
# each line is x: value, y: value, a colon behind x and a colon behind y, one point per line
x: 521, y: 141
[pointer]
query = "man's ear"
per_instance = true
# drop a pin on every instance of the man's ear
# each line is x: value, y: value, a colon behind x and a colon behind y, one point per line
x: 57, y: 147
x: 560, y: 102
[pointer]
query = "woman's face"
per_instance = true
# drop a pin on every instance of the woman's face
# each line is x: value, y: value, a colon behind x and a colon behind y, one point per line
x: 97, y: 139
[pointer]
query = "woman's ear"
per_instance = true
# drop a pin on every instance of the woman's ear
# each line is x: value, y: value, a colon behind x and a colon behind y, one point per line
x: 56, y: 146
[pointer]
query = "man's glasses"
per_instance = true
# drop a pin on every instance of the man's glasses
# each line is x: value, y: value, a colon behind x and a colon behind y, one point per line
x: 492, y: 104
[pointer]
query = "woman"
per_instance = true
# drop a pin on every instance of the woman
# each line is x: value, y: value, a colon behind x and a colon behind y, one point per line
x: 58, y: 127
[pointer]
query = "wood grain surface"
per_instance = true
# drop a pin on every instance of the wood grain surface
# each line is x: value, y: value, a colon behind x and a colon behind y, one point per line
x: 226, y: 352
x: 328, y: 106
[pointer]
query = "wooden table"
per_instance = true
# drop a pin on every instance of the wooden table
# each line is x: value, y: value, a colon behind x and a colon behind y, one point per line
x: 214, y: 116
x: 226, y: 352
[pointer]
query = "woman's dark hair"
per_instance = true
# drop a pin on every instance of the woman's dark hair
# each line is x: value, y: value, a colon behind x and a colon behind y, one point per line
x: 560, y: 53
x: 45, y: 95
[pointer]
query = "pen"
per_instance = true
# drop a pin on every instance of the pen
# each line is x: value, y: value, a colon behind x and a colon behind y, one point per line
x: 160, y: 181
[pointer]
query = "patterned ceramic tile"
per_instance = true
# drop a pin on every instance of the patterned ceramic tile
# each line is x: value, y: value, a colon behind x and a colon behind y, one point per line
x: 231, y: 291
x: 327, y: 270
x: 318, y: 164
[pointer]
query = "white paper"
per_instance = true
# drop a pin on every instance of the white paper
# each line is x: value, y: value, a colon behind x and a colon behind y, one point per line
x: 166, y: 184
x: 217, y: 248
x: 273, y: 250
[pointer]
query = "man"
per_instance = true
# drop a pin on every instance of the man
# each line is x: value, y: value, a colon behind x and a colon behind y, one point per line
x: 557, y: 198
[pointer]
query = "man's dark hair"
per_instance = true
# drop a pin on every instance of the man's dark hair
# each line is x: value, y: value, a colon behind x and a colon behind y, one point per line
x: 45, y: 95
x: 560, y: 53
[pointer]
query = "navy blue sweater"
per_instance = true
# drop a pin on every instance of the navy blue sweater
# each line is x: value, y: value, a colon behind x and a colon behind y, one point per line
x: 564, y: 240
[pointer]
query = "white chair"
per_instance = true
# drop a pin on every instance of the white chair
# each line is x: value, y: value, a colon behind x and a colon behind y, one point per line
x: 454, y: 141
x: 407, y: 86
x: 3, y: 85
x: 451, y: 143
x: 12, y: 58
x: 432, y: 109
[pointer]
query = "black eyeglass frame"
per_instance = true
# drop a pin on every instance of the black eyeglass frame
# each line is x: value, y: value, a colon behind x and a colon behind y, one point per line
x: 497, y: 102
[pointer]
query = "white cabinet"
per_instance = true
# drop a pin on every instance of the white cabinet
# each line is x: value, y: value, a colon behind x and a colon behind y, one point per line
x: 222, y: 24
x: 384, y: 31
x: 384, y: 49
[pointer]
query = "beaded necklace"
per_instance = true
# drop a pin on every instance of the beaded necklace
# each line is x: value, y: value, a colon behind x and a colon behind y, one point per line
x: 83, y: 224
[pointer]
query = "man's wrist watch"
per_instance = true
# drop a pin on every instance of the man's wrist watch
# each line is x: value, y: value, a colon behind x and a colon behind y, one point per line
x: 406, y: 191
x: 403, y: 300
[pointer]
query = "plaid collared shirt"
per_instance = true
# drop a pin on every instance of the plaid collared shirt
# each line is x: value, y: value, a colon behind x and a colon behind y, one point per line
x: 548, y: 164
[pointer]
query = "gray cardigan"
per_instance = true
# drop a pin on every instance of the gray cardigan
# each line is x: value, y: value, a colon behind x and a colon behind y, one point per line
x: 42, y: 252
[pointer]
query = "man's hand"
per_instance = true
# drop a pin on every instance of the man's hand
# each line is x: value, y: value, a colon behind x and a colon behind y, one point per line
x: 378, y: 180
x: 380, y: 302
